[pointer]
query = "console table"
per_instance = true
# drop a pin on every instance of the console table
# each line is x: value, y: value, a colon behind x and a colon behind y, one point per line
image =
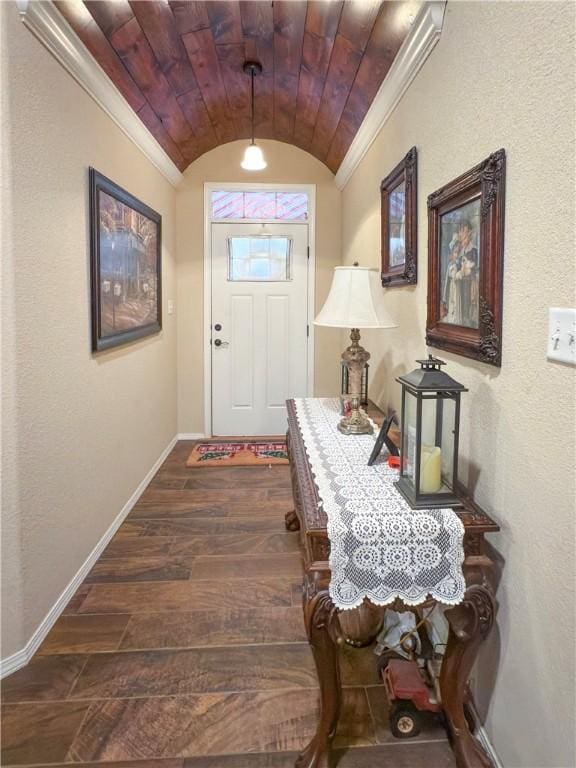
x: 327, y: 627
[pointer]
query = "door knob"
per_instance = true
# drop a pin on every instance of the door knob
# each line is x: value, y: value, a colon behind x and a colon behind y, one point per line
x: 220, y: 343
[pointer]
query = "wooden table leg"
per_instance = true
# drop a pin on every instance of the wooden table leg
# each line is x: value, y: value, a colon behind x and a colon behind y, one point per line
x: 470, y: 622
x: 322, y: 627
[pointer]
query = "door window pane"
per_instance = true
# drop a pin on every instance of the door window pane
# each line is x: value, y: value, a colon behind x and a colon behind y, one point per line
x: 262, y: 257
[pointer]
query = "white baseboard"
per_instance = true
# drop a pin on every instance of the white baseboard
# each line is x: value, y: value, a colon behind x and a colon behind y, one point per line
x: 190, y: 436
x: 482, y: 736
x: 22, y: 657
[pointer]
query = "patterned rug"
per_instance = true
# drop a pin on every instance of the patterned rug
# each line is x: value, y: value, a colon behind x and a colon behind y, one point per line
x: 238, y: 453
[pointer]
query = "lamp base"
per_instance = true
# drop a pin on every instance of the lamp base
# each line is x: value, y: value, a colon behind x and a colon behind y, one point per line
x: 355, y: 424
x: 355, y: 357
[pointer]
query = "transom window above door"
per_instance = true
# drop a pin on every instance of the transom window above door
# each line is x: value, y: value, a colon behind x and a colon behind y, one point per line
x: 232, y: 205
x: 259, y: 257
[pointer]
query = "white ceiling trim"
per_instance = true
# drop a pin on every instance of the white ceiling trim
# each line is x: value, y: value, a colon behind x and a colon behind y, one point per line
x: 416, y: 48
x: 50, y: 27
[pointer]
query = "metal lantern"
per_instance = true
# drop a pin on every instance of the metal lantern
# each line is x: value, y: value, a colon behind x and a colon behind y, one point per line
x: 430, y: 426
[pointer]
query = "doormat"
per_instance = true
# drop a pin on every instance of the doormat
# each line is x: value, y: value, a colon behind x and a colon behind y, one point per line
x: 241, y: 453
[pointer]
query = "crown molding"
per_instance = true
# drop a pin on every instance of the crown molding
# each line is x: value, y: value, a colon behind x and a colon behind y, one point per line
x: 415, y: 49
x: 49, y: 26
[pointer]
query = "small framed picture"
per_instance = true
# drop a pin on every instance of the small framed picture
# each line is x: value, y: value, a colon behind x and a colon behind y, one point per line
x: 398, y: 197
x: 384, y: 439
x: 465, y: 262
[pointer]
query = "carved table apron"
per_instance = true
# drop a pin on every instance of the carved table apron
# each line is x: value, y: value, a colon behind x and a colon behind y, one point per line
x: 327, y: 627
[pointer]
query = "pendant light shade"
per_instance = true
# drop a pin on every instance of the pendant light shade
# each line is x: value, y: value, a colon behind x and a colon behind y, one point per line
x: 253, y: 158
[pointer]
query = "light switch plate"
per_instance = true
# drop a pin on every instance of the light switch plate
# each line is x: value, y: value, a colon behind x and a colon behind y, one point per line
x: 170, y: 307
x: 562, y: 335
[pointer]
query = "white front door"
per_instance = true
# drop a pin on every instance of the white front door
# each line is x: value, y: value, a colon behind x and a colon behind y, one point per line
x: 259, y: 325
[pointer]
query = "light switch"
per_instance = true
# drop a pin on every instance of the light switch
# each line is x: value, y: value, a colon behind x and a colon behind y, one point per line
x: 170, y: 306
x: 562, y: 335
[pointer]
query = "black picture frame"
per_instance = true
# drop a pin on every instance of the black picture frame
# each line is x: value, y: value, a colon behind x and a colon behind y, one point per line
x: 126, y: 281
x: 383, y: 439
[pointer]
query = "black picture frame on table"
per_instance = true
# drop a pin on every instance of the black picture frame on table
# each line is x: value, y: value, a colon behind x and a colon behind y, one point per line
x: 132, y: 284
x: 383, y: 439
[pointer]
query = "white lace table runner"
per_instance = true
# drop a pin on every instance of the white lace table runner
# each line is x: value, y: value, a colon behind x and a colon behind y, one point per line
x: 380, y: 548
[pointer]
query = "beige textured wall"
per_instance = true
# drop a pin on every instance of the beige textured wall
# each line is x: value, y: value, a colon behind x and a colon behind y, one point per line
x: 79, y: 432
x: 502, y: 75
x: 286, y: 165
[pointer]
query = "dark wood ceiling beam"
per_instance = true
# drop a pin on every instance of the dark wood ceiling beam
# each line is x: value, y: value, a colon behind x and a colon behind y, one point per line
x: 157, y: 129
x: 204, y: 60
x: 289, y: 23
x: 135, y: 52
x: 189, y: 16
x: 159, y: 26
x: 237, y: 84
x: 322, y: 21
x: 193, y: 106
x: 258, y: 30
x: 389, y: 31
x: 225, y: 21
x: 110, y: 16
x: 79, y: 18
x: 356, y: 23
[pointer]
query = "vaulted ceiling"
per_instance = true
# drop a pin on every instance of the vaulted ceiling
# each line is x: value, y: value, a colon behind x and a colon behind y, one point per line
x: 178, y: 64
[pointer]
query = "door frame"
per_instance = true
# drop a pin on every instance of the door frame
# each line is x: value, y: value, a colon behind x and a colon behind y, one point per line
x: 212, y: 186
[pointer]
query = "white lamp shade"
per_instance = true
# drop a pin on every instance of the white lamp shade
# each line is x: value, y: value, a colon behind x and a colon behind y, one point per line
x: 356, y: 300
x: 253, y: 159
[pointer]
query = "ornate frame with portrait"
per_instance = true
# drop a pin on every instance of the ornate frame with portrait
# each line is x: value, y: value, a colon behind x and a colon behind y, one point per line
x: 398, y: 197
x: 465, y: 262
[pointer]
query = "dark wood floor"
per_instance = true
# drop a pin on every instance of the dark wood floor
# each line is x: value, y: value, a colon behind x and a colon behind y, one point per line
x: 185, y: 647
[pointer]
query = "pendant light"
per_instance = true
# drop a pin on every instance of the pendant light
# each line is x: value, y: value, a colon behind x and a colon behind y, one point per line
x: 253, y: 158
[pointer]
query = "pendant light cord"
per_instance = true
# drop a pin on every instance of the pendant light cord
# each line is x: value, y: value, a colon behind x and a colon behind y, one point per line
x: 252, y: 103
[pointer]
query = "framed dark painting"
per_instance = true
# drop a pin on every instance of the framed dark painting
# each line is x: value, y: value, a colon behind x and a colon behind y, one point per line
x: 126, y: 268
x: 398, y: 198
x: 465, y: 262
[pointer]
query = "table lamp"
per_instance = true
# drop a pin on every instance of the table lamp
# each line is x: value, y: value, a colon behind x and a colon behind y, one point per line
x: 356, y: 300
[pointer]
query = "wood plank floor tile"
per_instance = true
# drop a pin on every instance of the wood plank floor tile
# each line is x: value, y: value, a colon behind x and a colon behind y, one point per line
x: 400, y: 755
x: 234, y: 477
x: 236, y: 544
x: 145, y: 546
x: 359, y: 666
x: 135, y: 568
x: 174, y: 483
x: 432, y: 729
x: 196, y: 725
x: 203, y: 526
x: 247, y: 566
x: 208, y: 496
x: 356, y: 725
x: 196, y: 670
x: 39, y: 733
x: 175, y: 762
x: 186, y: 509
x: 208, y: 724
x: 43, y: 678
x: 85, y: 634
x: 185, y: 596
x: 76, y: 600
x: 217, y: 626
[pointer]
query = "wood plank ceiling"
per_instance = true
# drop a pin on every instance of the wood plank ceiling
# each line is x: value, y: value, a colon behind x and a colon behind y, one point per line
x: 179, y: 66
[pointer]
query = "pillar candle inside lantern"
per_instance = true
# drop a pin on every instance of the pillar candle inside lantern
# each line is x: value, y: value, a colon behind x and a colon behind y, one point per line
x: 430, y: 469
